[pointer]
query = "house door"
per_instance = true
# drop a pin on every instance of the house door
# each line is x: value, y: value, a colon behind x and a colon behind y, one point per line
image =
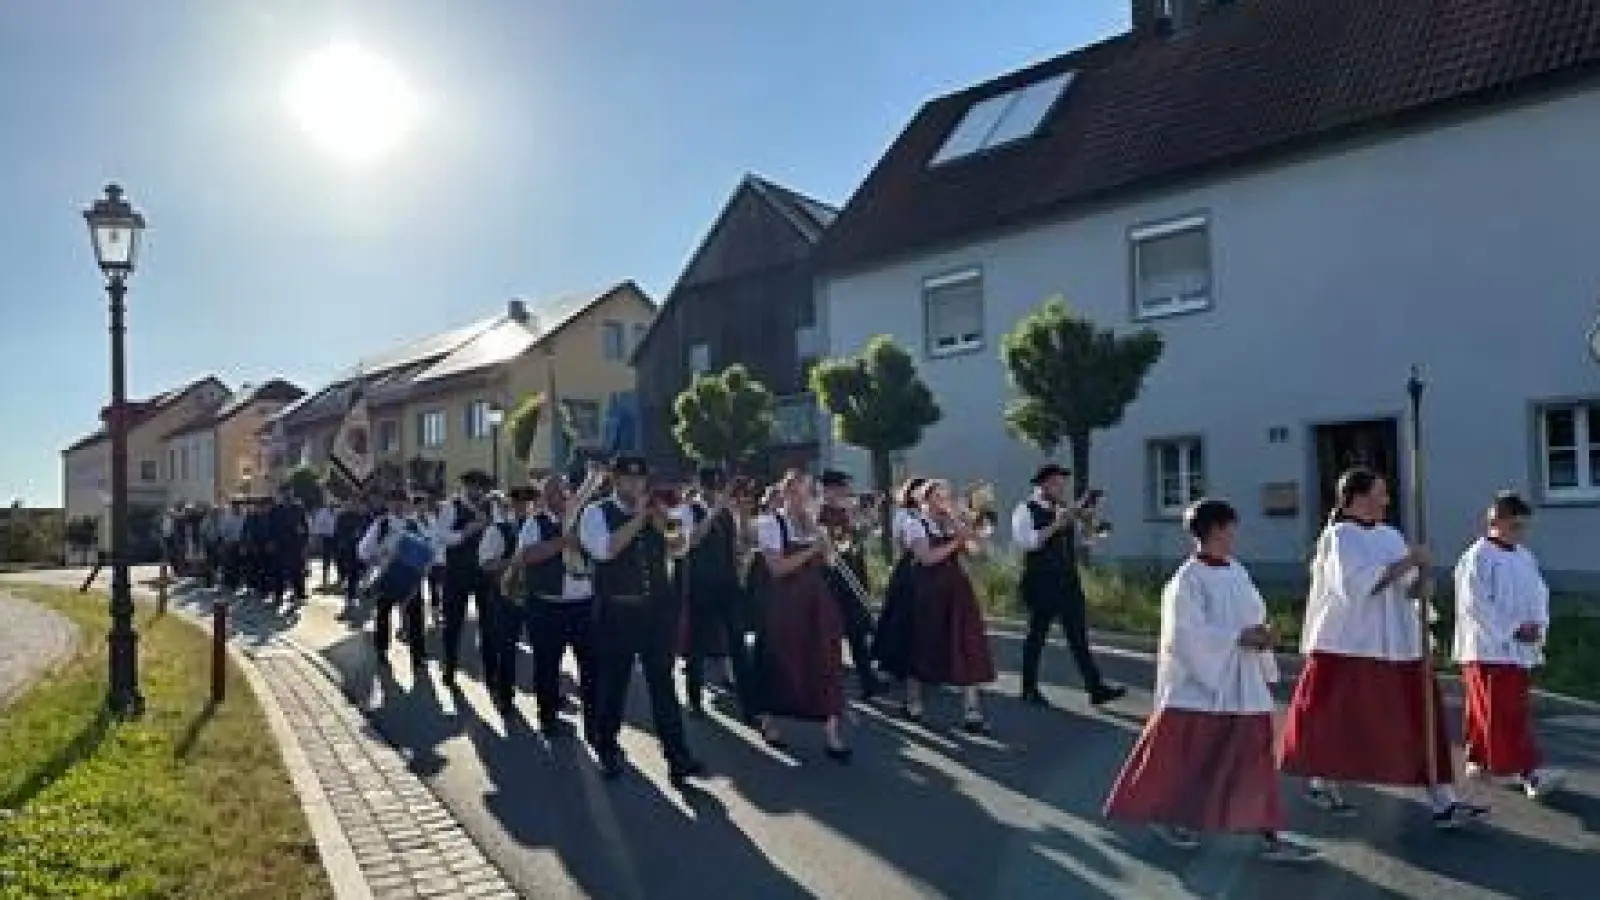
x: 1374, y: 443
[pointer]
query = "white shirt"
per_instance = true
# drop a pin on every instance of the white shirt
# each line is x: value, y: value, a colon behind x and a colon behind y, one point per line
x: 917, y: 527
x: 322, y: 522
x: 492, y: 546
x: 371, y: 549
x: 1026, y: 537
x: 592, y: 531
x: 1497, y: 590
x: 231, y: 527
x: 1200, y: 665
x: 903, y: 518
x: 769, y: 534
x: 1342, y: 614
x: 683, y: 514
x: 573, y: 586
x: 448, y: 524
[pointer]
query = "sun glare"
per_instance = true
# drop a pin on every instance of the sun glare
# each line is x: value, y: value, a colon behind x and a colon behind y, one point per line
x: 351, y: 103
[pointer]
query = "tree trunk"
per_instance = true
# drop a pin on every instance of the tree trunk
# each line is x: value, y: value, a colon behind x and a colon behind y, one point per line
x: 882, y: 476
x: 1080, y: 463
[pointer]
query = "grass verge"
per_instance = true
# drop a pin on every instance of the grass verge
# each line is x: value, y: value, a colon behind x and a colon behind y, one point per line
x: 189, y: 801
x: 1129, y: 601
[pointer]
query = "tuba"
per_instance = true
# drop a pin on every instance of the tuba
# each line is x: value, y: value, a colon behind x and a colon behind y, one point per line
x: 572, y: 555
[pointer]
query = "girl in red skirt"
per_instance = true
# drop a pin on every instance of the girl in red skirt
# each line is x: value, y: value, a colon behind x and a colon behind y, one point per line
x: 948, y: 641
x: 801, y: 665
x: 1204, y: 761
x: 1357, y: 713
x: 1502, y: 614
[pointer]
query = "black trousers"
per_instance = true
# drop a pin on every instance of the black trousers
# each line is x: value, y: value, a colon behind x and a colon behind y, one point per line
x: 553, y: 629
x: 625, y: 631
x: 289, y: 574
x: 713, y: 618
x: 1047, y: 604
x: 858, y: 627
x: 499, y: 625
x: 410, y: 619
x: 460, y: 588
x: 436, y: 585
x: 326, y: 550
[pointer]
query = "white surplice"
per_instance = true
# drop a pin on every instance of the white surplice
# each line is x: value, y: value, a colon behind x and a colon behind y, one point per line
x: 1201, y: 666
x: 1497, y: 590
x: 1343, y: 615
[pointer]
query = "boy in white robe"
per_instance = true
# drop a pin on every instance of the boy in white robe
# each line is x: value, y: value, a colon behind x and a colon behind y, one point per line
x: 1357, y: 713
x: 1204, y: 761
x: 1502, y: 616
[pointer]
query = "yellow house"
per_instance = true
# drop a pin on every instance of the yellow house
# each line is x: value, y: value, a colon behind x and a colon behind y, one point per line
x: 217, y: 456
x: 86, y: 463
x: 431, y: 401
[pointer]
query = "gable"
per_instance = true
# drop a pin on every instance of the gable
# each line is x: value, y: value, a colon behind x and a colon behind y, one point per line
x: 749, y: 236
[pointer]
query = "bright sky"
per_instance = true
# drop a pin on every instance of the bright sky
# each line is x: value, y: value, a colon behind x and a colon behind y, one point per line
x: 545, y: 146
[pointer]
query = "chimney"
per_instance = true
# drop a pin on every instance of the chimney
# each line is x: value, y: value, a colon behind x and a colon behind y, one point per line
x: 1147, y: 15
x: 1184, y: 13
x: 517, y: 310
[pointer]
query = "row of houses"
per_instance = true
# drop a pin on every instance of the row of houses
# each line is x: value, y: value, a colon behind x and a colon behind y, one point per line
x: 1304, y: 199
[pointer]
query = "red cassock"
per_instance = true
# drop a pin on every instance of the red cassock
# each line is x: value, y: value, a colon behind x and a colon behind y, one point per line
x: 802, y: 672
x: 1498, y: 719
x: 1359, y: 719
x: 1200, y: 770
x: 949, y: 643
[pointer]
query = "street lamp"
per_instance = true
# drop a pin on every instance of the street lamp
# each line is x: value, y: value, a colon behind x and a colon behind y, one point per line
x: 496, y: 415
x: 114, y: 230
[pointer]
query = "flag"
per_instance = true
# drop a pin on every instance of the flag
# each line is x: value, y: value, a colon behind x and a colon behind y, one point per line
x: 352, y: 454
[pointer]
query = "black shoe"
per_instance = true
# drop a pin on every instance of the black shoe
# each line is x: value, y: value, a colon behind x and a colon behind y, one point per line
x: 612, y: 765
x: 1033, y: 697
x: 1106, y: 693
x: 840, y: 755
x: 555, y: 728
x: 450, y: 676
x: 685, y: 767
x: 975, y: 726
x: 698, y: 710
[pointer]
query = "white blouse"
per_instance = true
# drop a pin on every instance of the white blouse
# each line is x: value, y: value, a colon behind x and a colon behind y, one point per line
x: 1343, y: 615
x: 769, y: 534
x: 1200, y: 665
x: 1497, y: 591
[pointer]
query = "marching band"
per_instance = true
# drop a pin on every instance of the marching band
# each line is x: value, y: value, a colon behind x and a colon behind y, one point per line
x: 774, y: 585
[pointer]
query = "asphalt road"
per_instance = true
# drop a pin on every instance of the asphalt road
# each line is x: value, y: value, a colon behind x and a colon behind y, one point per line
x: 925, y: 811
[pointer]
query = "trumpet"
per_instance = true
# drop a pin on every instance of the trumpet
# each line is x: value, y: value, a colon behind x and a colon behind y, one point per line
x: 979, y: 510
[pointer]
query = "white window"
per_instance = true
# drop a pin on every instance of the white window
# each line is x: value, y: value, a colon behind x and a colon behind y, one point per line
x: 1012, y: 116
x: 952, y: 311
x: 430, y: 429
x: 389, y: 437
x: 1569, y: 443
x: 149, y: 470
x: 477, y: 420
x: 699, y: 359
x: 584, y: 415
x: 1171, y: 267
x: 794, y: 420
x: 1177, y: 468
x: 613, y: 340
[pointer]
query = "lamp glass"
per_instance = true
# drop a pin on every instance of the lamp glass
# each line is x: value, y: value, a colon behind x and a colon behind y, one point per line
x: 496, y: 416
x: 114, y: 229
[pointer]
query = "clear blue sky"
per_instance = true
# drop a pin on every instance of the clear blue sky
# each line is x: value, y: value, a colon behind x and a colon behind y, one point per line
x: 566, y: 144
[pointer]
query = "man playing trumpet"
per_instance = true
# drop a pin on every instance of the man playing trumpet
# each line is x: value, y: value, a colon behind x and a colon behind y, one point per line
x: 840, y: 521
x: 1045, y: 528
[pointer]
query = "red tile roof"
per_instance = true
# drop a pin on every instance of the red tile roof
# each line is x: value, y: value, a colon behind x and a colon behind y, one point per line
x: 1252, y: 78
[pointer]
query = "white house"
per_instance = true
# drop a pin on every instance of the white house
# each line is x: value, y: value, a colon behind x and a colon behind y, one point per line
x: 1304, y: 200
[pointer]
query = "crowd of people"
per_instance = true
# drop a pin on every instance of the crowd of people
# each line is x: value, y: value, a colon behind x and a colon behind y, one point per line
x: 772, y: 586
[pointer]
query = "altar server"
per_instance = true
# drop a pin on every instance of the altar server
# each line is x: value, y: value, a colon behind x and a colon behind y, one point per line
x: 1502, y: 615
x: 1357, y: 710
x: 1204, y: 761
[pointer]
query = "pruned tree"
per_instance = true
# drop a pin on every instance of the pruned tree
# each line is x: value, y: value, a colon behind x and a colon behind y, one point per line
x: 1073, y: 379
x: 306, y: 486
x: 723, y: 419
x: 879, y: 404
x: 523, y: 424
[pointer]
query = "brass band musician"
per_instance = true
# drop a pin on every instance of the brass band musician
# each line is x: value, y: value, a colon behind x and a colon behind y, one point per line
x: 840, y: 516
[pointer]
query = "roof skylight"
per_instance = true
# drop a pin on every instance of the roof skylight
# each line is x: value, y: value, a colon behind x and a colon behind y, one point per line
x: 1012, y: 116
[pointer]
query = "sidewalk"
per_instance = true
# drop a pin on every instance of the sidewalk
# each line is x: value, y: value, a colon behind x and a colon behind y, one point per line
x: 380, y: 830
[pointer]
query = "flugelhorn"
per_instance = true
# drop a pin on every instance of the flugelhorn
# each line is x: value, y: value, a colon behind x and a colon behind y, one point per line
x: 572, y: 557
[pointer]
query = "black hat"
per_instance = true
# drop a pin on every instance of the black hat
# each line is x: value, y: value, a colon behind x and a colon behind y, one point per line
x: 1049, y: 471
x: 526, y: 493
x: 630, y: 465
x: 835, y: 478
x: 477, y: 478
x: 711, y: 478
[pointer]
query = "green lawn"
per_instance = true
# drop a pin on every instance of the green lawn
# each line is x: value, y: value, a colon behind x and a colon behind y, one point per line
x: 186, y: 802
x: 1130, y: 602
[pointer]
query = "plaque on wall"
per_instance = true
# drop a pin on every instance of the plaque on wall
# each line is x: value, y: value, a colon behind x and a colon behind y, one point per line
x: 1280, y: 499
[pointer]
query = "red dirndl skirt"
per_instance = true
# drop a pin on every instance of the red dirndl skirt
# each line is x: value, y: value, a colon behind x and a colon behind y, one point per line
x: 1354, y: 718
x: 949, y: 644
x: 1498, y: 720
x: 801, y: 664
x: 1200, y: 770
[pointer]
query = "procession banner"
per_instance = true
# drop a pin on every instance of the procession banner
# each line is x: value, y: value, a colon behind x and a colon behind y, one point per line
x: 352, y: 454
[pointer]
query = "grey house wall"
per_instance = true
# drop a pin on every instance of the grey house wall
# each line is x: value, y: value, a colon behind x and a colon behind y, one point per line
x: 1472, y: 250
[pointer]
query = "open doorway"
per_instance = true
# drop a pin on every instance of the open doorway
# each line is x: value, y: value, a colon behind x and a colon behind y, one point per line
x: 1374, y: 443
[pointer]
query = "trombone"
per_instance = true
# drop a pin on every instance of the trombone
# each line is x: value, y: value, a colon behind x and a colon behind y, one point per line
x: 835, y: 561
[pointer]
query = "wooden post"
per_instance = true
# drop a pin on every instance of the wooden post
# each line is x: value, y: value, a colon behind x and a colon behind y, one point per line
x: 1424, y: 591
x: 161, y: 585
x: 219, y: 651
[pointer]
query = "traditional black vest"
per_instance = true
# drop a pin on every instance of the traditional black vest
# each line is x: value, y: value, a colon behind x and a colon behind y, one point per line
x: 1055, y: 560
x: 463, y: 557
x: 716, y: 557
x: 640, y: 570
x: 545, y: 578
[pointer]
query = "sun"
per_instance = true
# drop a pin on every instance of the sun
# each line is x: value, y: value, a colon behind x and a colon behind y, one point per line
x: 351, y: 103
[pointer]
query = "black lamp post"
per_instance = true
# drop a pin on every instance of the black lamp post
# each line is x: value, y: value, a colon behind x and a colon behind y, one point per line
x: 496, y: 416
x: 115, y: 228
